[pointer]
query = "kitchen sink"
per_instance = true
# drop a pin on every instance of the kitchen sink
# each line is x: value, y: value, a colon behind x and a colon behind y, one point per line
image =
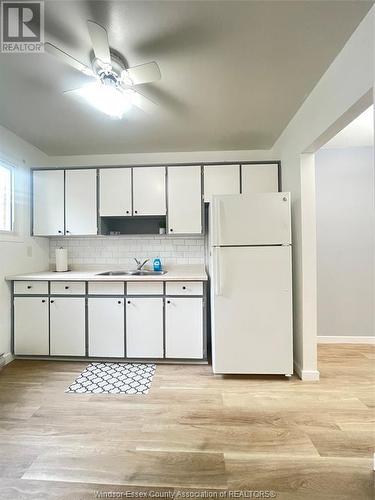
x: 146, y: 272
x: 142, y: 272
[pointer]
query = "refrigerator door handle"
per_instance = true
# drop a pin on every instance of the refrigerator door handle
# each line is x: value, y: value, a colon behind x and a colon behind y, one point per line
x: 217, y: 272
x: 217, y: 221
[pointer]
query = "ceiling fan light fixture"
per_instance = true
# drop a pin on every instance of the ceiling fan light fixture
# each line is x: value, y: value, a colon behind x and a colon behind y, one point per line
x: 106, y: 98
x: 113, y: 92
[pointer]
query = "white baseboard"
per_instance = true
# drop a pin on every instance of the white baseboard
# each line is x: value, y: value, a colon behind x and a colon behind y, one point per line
x: 306, y: 375
x: 347, y: 339
x: 7, y: 358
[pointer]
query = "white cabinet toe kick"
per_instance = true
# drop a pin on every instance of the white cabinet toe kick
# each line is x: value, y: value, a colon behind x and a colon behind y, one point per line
x: 163, y: 322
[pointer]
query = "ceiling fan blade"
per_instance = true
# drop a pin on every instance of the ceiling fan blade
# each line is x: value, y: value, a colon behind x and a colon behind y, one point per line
x: 144, y: 73
x: 99, y: 40
x: 67, y: 59
x: 142, y: 102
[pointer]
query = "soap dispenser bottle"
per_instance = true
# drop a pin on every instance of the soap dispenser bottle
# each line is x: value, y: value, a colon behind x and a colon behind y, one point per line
x: 157, y: 264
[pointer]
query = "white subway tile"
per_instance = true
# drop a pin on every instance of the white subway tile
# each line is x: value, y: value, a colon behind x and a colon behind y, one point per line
x: 121, y: 250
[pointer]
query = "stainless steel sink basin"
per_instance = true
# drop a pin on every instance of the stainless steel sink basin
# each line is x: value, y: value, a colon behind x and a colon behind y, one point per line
x: 143, y: 272
x: 114, y: 273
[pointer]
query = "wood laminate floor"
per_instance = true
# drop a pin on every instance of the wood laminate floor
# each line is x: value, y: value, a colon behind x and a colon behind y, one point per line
x: 193, y: 431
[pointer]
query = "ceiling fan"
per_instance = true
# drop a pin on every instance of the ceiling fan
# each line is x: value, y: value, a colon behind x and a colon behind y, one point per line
x: 113, y: 90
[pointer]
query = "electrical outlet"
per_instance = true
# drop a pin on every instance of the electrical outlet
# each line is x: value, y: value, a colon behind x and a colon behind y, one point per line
x: 29, y: 251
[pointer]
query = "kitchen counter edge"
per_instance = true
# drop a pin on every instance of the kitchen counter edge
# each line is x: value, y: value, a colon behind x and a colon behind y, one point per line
x: 193, y: 273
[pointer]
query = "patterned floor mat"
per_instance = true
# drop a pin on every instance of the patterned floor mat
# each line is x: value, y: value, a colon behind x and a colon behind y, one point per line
x: 114, y: 378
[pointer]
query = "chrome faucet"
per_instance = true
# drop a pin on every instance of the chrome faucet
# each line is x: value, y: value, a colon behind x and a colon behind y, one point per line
x: 140, y: 264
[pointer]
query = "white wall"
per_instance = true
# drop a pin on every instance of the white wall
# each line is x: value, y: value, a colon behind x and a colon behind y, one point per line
x: 343, y: 92
x: 155, y: 158
x: 345, y: 241
x: 18, y: 252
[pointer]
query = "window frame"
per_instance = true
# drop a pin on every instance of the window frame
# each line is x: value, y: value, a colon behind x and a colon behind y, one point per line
x: 11, y: 231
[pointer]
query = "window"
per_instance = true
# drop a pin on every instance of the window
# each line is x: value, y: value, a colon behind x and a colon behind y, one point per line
x: 6, y: 198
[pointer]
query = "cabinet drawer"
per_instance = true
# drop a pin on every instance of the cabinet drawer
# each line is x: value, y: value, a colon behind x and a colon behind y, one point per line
x: 68, y: 288
x: 31, y: 287
x: 144, y: 288
x: 106, y: 288
x: 184, y: 288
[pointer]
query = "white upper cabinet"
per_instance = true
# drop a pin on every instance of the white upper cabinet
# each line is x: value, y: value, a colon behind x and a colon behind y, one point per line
x: 184, y: 200
x: 48, y: 202
x: 221, y: 179
x: 80, y: 202
x: 262, y: 178
x: 115, y: 188
x: 149, y: 191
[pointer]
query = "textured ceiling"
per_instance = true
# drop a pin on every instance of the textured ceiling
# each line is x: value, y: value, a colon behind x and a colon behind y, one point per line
x: 233, y: 73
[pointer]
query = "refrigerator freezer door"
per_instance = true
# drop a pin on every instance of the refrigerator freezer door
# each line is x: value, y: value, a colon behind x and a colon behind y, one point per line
x: 257, y: 219
x: 252, y: 310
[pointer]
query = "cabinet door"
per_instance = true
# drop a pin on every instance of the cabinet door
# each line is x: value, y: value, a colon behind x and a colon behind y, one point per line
x: 31, y: 336
x: 263, y: 178
x: 184, y: 328
x: 67, y: 326
x: 106, y: 327
x: 184, y: 200
x: 144, y: 327
x: 149, y: 191
x: 80, y: 202
x: 48, y: 202
x: 115, y: 192
x: 221, y: 179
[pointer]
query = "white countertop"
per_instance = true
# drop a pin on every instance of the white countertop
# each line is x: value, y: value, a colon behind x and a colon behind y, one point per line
x: 193, y: 272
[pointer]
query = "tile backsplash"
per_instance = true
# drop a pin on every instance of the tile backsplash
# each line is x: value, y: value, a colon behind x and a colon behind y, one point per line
x: 120, y: 251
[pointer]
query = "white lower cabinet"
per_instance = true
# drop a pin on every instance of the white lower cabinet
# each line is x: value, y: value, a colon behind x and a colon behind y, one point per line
x: 31, y: 335
x: 106, y: 327
x: 184, y: 327
x: 67, y: 326
x: 144, y: 327
x: 144, y: 324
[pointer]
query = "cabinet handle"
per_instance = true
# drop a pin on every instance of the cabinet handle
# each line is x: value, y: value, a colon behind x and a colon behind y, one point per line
x: 60, y: 232
x: 184, y: 287
x: 127, y: 211
x: 29, y: 287
x: 170, y: 230
x: 43, y: 301
x: 135, y: 211
x: 129, y: 302
x: 67, y: 232
x: 52, y: 301
x: 119, y: 302
x: 168, y: 301
x: 66, y: 288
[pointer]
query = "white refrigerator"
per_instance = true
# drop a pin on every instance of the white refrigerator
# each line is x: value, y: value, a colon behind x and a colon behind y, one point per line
x: 251, y: 284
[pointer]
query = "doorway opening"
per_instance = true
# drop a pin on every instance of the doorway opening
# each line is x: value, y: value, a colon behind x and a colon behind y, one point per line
x: 345, y: 234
